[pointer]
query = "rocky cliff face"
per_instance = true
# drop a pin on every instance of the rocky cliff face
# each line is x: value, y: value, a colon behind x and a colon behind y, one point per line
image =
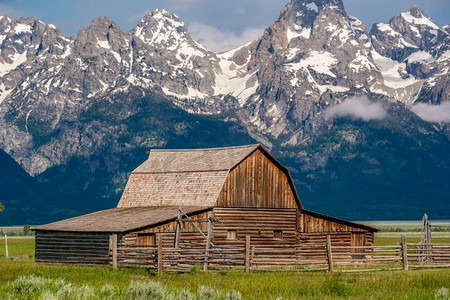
x: 101, y: 91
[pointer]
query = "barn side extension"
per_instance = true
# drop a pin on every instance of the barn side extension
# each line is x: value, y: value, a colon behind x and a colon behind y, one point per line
x: 200, y: 199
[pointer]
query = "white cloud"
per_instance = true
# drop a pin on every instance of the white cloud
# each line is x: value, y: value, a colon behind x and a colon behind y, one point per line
x: 358, y: 107
x: 433, y: 113
x: 137, y: 17
x: 218, y: 40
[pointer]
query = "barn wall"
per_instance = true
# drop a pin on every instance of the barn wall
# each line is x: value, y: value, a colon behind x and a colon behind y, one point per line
x: 257, y: 182
x: 261, y: 224
x: 72, y: 248
x: 309, y: 223
x: 190, y: 236
x: 314, y: 229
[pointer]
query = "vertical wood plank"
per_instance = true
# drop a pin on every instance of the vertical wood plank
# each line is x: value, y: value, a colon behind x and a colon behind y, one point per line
x: 247, y: 254
x: 329, y: 254
x: 114, y: 249
x: 6, y: 246
x: 208, y: 243
x: 404, y: 254
x: 159, y: 262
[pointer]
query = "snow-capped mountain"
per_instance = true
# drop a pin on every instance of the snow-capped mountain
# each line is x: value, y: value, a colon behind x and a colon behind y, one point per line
x: 64, y: 97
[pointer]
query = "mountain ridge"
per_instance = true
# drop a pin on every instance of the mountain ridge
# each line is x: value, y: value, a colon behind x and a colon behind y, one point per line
x: 81, y: 99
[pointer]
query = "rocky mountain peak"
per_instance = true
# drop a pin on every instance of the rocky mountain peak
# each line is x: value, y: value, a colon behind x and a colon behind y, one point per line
x: 161, y: 27
x: 102, y: 35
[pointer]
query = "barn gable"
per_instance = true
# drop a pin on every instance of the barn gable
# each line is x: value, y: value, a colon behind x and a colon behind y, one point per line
x: 259, y: 181
x: 182, y: 177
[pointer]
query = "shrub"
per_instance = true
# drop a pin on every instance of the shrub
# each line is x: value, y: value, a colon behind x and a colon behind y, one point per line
x: 28, y: 284
x: 442, y: 293
x: 205, y: 292
x: 146, y: 290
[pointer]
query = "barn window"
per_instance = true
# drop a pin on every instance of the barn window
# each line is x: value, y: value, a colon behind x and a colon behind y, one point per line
x: 231, y: 234
x: 146, y: 239
x: 278, y: 234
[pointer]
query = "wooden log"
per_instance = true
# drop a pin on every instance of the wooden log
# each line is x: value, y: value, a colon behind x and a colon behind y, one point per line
x: 113, y: 245
x: 329, y: 254
x: 159, y: 261
x: 247, y: 254
x: 404, y: 253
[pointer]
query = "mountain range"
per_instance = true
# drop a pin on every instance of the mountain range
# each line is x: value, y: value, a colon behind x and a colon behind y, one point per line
x: 360, y: 117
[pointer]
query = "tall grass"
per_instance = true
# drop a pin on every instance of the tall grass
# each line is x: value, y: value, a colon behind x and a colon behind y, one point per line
x: 33, y: 281
x: 36, y: 287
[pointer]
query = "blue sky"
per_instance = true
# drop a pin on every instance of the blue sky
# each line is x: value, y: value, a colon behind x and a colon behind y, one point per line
x: 218, y: 24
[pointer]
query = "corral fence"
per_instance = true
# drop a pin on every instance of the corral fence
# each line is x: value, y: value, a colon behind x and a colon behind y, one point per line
x: 309, y: 257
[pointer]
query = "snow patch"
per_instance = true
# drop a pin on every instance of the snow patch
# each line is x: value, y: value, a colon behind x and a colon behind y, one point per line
x: 321, y: 62
x: 17, y: 59
x: 387, y: 28
x: 390, y: 70
x: 418, y: 21
x: 312, y: 6
x: 299, y: 32
x: 420, y: 57
x: 103, y: 44
x: 20, y: 28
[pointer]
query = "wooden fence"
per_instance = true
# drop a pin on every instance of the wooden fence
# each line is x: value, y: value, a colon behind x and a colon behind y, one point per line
x: 310, y: 257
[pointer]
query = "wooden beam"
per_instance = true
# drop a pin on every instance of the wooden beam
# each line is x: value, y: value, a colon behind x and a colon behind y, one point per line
x: 247, y: 254
x: 113, y: 245
x: 329, y: 254
x: 160, y: 262
x: 176, y: 242
x: 404, y: 253
x: 6, y: 246
x: 208, y: 243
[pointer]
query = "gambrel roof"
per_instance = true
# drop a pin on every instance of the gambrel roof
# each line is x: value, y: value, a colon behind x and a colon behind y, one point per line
x: 183, y: 177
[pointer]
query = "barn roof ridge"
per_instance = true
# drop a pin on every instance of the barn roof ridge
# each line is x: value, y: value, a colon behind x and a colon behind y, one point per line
x: 206, y: 149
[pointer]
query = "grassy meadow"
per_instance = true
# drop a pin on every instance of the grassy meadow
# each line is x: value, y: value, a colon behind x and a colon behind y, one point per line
x: 22, y: 278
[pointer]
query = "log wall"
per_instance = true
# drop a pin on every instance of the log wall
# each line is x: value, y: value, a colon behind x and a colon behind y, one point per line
x: 308, y: 223
x: 257, y: 182
x: 72, y: 248
x: 264, y: 226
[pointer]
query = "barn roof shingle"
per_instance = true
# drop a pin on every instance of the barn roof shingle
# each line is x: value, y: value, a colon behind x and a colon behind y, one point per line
x: 119, y: 220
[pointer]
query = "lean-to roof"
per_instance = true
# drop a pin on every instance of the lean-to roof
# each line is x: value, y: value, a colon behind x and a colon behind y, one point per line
x: 119, y: 220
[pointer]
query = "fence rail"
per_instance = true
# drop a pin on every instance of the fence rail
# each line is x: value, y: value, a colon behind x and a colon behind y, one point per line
x: 310, y: 257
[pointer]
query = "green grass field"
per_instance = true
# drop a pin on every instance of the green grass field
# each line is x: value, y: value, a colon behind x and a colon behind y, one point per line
x: 92, y: 282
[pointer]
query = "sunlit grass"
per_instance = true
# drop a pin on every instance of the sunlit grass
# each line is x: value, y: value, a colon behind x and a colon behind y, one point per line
x: 415, y: 284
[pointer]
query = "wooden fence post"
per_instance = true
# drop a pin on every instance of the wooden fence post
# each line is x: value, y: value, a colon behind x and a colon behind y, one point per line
x: 404, y: 253
x: 113, y: 245
x: 160, y: 262
x: 247, y: 254
x: 329, y: 254
x: 6, y: 246
x: 208, y: 243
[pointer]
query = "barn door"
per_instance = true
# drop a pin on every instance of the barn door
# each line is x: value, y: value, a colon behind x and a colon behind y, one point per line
x: 358, y: 240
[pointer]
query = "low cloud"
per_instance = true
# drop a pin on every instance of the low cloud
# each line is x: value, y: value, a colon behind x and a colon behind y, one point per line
x: 433, y: 113
x: 359, y: 107
x: 218, y: 40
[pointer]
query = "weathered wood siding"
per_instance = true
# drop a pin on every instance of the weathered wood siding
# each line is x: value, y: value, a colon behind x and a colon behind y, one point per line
x: 72, y: 248
x: 257, y: 182
x: 260, y: 224
x: 308, y: 223
x: 190, y: 236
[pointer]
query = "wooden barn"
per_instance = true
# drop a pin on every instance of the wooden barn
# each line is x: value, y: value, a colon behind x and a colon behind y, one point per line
x: 196, y: 197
